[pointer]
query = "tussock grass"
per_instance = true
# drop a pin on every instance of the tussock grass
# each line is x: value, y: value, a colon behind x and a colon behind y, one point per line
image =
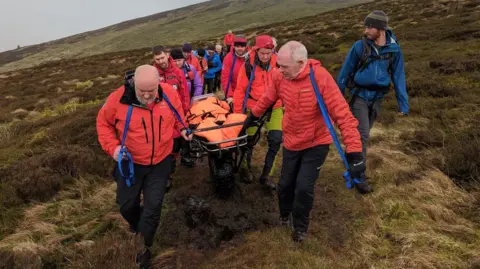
x: 85, y: 85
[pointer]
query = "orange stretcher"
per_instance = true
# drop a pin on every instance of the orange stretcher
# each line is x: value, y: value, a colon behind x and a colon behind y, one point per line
x: 210, y: 118
x: 217, y: 135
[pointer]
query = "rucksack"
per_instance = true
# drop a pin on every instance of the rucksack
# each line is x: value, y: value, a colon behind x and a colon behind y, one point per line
x: 364, y: 62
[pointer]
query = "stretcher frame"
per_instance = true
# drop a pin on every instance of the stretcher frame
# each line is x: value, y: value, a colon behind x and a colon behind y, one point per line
x: 242, y: 143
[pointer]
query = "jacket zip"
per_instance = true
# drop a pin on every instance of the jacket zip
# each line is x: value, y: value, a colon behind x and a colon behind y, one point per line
x: 153, y: 135
x: 160, y: 129
x: 145, y: 129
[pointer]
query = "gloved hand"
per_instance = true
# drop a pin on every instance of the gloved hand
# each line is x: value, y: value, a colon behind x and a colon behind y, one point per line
x: 356, y: 163
x: 248, y: 122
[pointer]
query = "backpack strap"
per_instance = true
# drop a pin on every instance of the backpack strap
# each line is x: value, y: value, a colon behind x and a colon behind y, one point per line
x: 247, y: 92
x: 249, y: 69
x: 124, y: 151
x: 231, y: 74
x: 366, y: 54
x: 175, y: 112
x: 365, y: 59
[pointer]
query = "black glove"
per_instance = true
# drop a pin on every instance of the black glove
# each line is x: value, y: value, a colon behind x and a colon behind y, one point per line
x: 248, y: 122
x: 356, y: 163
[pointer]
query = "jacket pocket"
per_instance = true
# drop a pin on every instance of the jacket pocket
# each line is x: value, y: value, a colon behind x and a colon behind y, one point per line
x: 306, y: 100
x: 145, y: 129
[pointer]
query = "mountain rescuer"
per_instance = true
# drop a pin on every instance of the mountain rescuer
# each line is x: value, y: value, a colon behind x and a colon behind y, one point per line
x: 194, y: 82
x: 170, y: 74
x: 372, y: 64
x: 231, y: 66
x: 200, y: 55
x: 187, y: 52
x: 214, y: 66
x: 259, y: 65
x: 306, y: 136
x: 149, y: 141
x: 195, y: 86
x: 228, y: 40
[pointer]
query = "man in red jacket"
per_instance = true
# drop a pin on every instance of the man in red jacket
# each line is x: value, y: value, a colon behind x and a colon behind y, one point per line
x: 230, y: 69
x: 306, y: 137
x: 228, y: 40
x: 171, y: 74
x: 261, y: 57
x: 149, y: 141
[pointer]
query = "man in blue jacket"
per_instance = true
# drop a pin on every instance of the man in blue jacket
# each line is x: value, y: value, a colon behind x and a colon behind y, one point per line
x: 372, y: 64
x: 214, y: 66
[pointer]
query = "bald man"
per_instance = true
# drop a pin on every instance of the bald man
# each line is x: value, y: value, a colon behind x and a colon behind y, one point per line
x: 149, y: 140
x: 306, y: 138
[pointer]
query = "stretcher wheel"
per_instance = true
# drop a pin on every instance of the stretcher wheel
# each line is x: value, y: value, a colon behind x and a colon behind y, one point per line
x: 222, y: 173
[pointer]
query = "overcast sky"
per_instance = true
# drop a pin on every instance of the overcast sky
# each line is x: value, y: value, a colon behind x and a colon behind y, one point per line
x: 27, y: 22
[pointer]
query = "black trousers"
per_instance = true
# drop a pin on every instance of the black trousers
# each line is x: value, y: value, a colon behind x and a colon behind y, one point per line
x: 209, y: 85
x: 152, y: 180
x: 300, y: 170
x: 218, y: 77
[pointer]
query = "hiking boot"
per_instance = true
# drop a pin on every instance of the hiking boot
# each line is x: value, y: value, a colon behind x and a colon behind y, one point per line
x: 143, y: 255
x: 187, y: 162
x: 285, y: 222
x: 143, y: 258
x: 299, y: 237
x: 363, y: 187
x: 246, y: 176
x: 266, y: 180
x: 268, y: 183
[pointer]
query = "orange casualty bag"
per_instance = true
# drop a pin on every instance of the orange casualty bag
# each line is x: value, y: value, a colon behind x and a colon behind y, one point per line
x: 212, y: 112
x: 205, y: 108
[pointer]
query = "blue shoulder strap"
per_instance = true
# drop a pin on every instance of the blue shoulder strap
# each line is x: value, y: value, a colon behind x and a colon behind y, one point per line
x: 231, y: 74
x: 323, y: 108
x: 175, y: 112
x: 247, y: 92
x: 124, y: 151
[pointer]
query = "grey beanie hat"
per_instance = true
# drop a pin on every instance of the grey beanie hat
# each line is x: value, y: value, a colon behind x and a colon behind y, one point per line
x: 377, y: 19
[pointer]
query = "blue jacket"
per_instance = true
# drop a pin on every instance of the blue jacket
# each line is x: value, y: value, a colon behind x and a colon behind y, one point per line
x: 376, y: 73
x: 217, y: 65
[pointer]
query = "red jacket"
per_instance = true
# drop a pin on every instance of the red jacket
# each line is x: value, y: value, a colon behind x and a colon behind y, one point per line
x: 175, y: 77
x: 228, y: 40
x: 303, y: 124
x: 227, y: 67
x: 194, y: 61
x: 149, y: 137
x: 260, y: 82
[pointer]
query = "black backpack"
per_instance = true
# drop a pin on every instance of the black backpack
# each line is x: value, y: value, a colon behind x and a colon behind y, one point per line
x: 367, y: 58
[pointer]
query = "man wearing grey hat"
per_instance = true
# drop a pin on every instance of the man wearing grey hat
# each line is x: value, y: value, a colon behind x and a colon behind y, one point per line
x: 373, y: 63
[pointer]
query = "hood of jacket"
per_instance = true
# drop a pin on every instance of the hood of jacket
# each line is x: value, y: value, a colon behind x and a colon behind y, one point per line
x: 306, y: 71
